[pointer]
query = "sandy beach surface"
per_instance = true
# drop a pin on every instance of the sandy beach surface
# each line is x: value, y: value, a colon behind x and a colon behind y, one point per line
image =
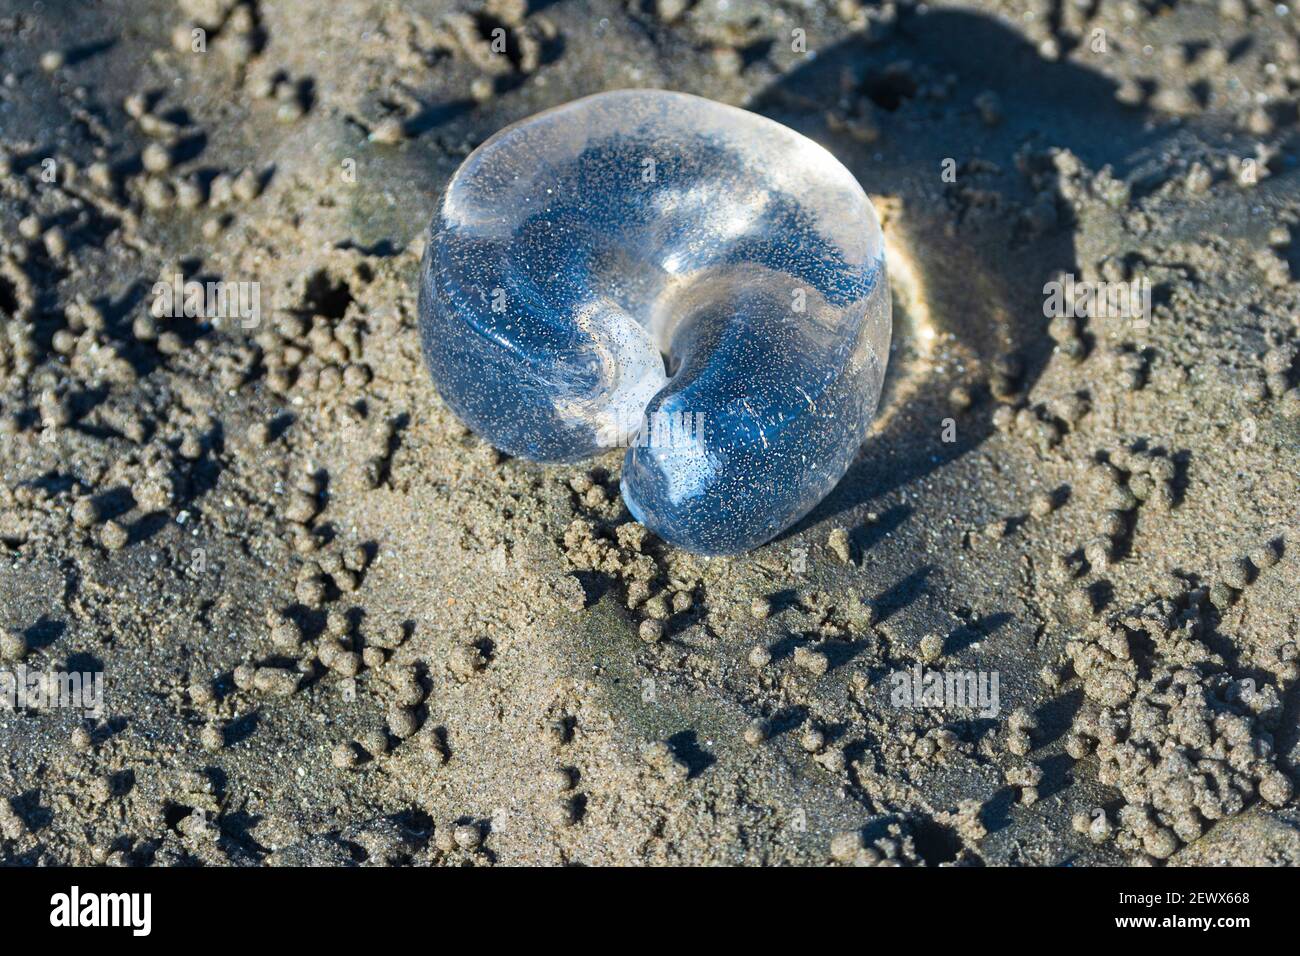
x: 332, y: 626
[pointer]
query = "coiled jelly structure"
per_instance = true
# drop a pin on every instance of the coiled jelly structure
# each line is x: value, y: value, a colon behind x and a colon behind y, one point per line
x: 657, y: 271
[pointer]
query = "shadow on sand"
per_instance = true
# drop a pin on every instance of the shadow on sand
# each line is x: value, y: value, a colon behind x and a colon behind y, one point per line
x: 982, y: 283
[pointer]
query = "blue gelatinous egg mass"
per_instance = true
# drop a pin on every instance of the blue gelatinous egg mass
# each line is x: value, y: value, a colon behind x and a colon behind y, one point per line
x: 656, y: 271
